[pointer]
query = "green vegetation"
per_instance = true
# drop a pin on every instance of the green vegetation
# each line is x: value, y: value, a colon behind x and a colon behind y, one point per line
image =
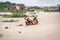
x: 49, y: 10
x: 5, y: 6
x: 1, y: 35
x: 5, y: 16
x: 6, y: 27
x: 4, y: 10
x: 19, y: 15
x: 20, y: 25
x: 59, y: 7
x: 15, y: 15
x: 10, y: 20
x: 33, y: 13
x: 34, y: 16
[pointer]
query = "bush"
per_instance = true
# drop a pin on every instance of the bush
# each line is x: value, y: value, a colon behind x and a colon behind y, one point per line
x: 4, y: 10
x: 6, y: 27
x: 18, y: 15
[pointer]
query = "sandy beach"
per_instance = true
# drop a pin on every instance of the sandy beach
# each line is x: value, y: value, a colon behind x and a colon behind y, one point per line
x: 48, y: 28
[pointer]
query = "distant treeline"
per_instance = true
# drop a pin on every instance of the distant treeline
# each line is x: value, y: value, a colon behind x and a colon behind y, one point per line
x: 5, y: 6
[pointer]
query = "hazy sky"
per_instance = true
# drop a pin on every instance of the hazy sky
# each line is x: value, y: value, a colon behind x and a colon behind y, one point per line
x: 35, y: 2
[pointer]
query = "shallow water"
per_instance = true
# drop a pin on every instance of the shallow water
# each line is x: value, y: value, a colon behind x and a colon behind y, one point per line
x: 47, y: 29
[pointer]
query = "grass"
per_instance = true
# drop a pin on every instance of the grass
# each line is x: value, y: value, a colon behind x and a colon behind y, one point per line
x: 15, y: 15
x: 10, y: 20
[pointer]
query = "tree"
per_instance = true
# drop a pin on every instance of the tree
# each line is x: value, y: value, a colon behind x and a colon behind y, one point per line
x: 59, y: 6
x: 6, y: 5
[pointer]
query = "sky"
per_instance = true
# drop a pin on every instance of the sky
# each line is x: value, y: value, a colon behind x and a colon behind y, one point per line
x: 35, y: 2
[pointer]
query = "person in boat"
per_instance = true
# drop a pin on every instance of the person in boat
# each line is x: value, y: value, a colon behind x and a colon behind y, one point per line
x: 31, y: 22
x: 34, y: 21
x: 28, y: 21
